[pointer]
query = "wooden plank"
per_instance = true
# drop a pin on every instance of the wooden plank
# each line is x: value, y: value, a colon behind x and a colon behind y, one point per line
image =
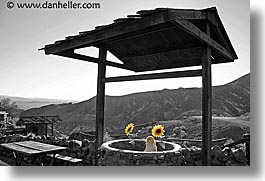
x: 112, y: 31
x: 39, y: 146
x: 93, y: 60
x: 186, y: 14
x: 221, y: 33
x: 197, y: 33
x: 206, y: 103
x: 46, y: 130
x: 66, y: 158
x: 178, y: 51
x: 178, y: 74
x: 100, y: 102
x: 52, y: 129
x: 21, y: 149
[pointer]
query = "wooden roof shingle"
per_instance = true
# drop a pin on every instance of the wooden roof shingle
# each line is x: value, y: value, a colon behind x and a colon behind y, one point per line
x: 156, y: 39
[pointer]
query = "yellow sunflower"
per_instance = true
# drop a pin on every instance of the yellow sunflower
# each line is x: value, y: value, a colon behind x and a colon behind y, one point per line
x: 158, y: 130
x: 129, y: 128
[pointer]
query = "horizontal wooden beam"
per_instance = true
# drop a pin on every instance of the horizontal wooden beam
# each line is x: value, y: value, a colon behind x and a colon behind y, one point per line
x: 197, y: 33
x: 92, y: 59
x: 164, y: 75
x: 182, y: 51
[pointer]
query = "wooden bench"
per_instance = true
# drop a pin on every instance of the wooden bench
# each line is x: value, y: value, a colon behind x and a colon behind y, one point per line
x: 67, y: 159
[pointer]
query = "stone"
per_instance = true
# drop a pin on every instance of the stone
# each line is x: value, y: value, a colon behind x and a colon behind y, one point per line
x: 216, y: 162
x: 185, y: 151
x: 161, y: 157
x: 15, y: 138
x: 160, y: 161
x: 136, y: 157
x: 37, y: 138
x: 195, y: 150
x: 139, y: 162
x: 198, y: 163
x: 177, y: 153
x: 239, y: 156
x: 74, y: 144
x: 85, y: 143
x: 174, y: 159
x: 43, y: 138
x: 223, y: 157
x: 216, y: 151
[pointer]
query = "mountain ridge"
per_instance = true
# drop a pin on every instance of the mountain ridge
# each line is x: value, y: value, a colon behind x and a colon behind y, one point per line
x: 28, y: 103
x: 231, y: 99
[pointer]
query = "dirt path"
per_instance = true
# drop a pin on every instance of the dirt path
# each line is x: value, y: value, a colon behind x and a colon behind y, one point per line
x: 234, y: 120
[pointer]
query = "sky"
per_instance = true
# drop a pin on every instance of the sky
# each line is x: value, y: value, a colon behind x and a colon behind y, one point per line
x: 27, y: 72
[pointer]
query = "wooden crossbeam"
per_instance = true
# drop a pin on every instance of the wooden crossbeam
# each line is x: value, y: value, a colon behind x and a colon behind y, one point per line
x: 92, y: 59
x: 182, y: 51
x: 178, y: 74
x: 197, y: 33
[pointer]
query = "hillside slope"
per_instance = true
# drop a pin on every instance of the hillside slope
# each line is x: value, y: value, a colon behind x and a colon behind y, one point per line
x: 232, y: 99
x: 28, y: 103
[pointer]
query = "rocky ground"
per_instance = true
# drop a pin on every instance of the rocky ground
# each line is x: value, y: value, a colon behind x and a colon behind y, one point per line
x: 188, y: 155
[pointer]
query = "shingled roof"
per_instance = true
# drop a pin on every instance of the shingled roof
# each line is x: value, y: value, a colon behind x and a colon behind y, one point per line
x: 38, y: 120
x: 154, y: 39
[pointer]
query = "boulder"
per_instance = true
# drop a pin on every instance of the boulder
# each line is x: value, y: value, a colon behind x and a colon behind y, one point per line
x: 38, y: 138
x: 216, y: 151
x: 15, y: 138
x: 74, y: 145
x: 239, y: 156
x: 216, y: 162
x: 85, y: 143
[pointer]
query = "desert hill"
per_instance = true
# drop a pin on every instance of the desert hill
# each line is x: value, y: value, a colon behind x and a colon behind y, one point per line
x: 229, y: 100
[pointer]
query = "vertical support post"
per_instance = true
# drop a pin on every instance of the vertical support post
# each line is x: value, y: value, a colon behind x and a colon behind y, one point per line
x: 206, y: 103
x: 46, y: 130
x: 100, y: 100
x: 247, y: 142
x: 52, y: 129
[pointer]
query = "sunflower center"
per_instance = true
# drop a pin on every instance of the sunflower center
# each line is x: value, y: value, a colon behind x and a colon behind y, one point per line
x: 129, y: 129
x: 158, y: 131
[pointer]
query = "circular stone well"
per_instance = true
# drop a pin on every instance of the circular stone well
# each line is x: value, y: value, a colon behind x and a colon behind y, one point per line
x: 129, y: 152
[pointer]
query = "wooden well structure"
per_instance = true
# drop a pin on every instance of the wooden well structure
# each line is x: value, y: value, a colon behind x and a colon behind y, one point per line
x: 151, y: 40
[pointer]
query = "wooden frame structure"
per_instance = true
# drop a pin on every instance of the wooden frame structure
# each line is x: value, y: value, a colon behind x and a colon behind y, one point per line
x: 157, y: 39
x: 40, y: 123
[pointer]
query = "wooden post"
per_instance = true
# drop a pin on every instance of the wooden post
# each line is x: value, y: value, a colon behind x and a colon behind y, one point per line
x: 52, y: 129
x: 100, y: 99
x: 247, y: 142
x: 206, y: 103
x: 46, y: 130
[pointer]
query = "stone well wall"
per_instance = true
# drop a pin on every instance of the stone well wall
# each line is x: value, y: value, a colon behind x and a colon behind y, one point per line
x: 130, y: 152
x: 122, y: 153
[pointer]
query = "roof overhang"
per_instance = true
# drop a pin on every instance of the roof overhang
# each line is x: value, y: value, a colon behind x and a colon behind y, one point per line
x: 154, y: 39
